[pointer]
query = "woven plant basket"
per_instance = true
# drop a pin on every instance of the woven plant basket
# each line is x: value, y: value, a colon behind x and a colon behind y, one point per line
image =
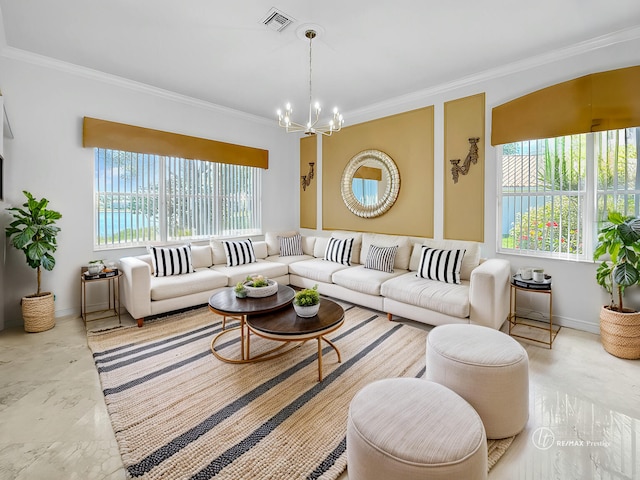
x: 38, y: 312
x: 620, y: 333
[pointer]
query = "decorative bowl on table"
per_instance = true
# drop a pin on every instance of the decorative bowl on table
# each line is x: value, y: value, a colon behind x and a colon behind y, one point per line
x: 266, y: 287
x: 95, y: 267
x: 306, y: 311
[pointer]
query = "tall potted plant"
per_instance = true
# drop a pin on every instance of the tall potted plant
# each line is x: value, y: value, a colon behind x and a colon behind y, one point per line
x: 33, y: 231
x: 619, y: 238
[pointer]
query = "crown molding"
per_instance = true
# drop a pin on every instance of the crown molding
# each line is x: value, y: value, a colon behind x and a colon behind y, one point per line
x: 89, y: 73
x: 397, y: 103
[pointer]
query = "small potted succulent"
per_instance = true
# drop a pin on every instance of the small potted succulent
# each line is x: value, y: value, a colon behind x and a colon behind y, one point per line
x: 240, y: 291
x: 306, y: 302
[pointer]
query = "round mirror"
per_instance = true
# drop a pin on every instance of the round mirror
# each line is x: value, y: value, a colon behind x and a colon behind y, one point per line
x: 370, y: 183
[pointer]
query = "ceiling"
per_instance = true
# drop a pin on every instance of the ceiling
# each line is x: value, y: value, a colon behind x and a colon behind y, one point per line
x: 368, y: 51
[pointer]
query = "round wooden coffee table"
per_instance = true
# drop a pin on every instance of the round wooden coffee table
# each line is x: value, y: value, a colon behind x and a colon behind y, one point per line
x: 285, y: 326
x: 228, y: 305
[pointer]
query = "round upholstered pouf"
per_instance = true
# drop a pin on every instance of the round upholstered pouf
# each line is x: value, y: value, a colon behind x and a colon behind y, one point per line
x: 413, y: 429
x: 487, y: 368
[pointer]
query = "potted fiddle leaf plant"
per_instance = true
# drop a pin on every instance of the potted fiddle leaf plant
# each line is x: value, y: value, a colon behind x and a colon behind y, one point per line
x: 306, y: 302
x: 619, y: 240
x: 33, y: 231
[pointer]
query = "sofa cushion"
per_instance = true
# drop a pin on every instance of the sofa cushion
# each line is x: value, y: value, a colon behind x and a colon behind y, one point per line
x: 381, y: 258
x: 308, y: 244
x: 201, y: 280
x: 441, y: 265
x: 271, y: 239
x: 169, y: 261
x: 289, y: 259
x: 364, y: 280
x: 339, y: 250
x: 404, y: 247
x: 470, y: 261
x: 316, y: 269
x: 260, y: 267
x: 290, y: 246
x: 201, y: 256
x: 446, y: 298
x: 320, y: 246
x: 239, y: 252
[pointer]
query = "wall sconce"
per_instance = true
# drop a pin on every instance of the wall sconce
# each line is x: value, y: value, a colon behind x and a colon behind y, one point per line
x: 472, y: 157
x: 305, y: 180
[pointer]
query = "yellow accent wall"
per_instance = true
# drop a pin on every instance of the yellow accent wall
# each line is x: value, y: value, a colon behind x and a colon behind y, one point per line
x: 308, y: 197
x: 408, y: 139
x: 463, y: 209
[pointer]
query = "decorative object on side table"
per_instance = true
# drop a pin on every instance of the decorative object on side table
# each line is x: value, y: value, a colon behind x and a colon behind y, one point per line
x: 33, y: 231
x: 95, y: 267
x: 619, y: 238
x: 258, y: 286
x: 306, y: 303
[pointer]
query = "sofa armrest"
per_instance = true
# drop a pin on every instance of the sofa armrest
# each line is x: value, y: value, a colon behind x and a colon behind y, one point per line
x: 135, y: 286
x: 489, y: 293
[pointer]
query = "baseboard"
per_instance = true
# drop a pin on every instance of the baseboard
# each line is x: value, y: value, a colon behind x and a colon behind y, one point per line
x: 574, y: 323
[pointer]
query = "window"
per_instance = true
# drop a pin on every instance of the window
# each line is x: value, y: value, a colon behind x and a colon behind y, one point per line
x: 555, y: 192
x: 142, y: 198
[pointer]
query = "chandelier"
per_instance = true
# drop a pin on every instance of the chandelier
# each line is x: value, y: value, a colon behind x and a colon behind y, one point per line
x: 311, y: 127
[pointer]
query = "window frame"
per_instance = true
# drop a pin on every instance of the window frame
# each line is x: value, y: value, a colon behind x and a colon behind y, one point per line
x: 165, y: 166
x: 588, y: 209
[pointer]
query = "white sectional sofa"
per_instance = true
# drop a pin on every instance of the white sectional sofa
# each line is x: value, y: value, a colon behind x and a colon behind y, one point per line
x: 481, y: 297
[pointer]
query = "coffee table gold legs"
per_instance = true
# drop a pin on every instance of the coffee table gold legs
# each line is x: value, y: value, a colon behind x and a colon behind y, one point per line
x: 332, y: 345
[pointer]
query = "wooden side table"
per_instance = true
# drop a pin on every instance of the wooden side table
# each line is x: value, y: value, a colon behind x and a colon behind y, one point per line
x: 113, y: 296
x: 518, y: 284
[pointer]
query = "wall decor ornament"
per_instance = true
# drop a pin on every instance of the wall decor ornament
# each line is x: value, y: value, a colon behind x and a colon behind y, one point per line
x: 389, y: 184
x: 305, y: 180
x: 472, y: 157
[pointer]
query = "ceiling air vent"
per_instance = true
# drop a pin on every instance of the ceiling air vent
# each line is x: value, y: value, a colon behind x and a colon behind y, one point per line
x: 277, y: 20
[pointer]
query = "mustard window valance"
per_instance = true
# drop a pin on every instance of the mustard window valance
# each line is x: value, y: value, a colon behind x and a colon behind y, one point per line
x: 119, y: 136
x: 597, y: 102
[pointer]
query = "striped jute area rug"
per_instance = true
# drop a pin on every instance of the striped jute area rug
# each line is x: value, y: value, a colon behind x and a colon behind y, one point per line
x: 178, y: 412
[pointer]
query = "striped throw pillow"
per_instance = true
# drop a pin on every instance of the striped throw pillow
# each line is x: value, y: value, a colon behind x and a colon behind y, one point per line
x: 239, y: 252
x: 381, y: 258
x: 441, y: 265
x: 290, y: 245
x: 171, y: 260
x: 339, y: 250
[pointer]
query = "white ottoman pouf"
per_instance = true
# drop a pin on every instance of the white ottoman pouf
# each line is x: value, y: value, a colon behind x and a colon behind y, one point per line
x: 413, y: 429
x: 487, y: 368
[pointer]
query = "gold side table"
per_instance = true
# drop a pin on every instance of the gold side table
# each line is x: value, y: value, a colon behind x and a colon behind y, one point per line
x: 517, y: 284
x: 113, y: 295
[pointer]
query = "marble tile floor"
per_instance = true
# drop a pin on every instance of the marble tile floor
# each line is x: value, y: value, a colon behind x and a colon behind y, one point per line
x: 584, y: 411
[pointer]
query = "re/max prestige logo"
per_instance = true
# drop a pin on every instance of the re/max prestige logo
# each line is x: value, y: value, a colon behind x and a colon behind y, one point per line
x: 544, y: 438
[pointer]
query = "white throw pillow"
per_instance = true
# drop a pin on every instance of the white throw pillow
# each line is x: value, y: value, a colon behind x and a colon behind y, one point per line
x: 239, y: 252
x: 339, y: 250
x: 290, y: 246
x: 171, y: 260
x: 441, y: 265
x: 381, y: 258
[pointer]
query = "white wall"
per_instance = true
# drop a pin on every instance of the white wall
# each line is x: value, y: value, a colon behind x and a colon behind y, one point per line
x: 46, y: 157
x: 2, y: 236
x: 576, y: 296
